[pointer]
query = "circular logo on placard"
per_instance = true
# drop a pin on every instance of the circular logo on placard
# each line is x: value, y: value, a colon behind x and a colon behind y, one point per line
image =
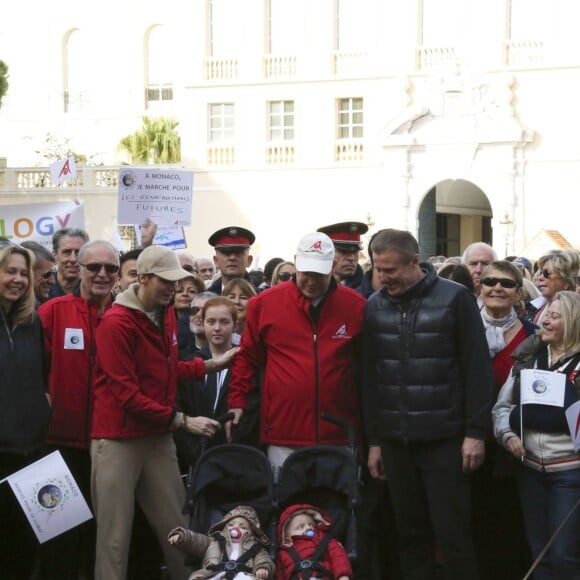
x: 128, y: 179
x: 539, y: 386
x: 49, y: 496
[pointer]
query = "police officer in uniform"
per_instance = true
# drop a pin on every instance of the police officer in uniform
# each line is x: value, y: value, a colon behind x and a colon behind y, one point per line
x: 232, y: 255
x: 347, y: 245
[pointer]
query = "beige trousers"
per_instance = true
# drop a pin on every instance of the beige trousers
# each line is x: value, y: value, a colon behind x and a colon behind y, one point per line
x: 143, y: 469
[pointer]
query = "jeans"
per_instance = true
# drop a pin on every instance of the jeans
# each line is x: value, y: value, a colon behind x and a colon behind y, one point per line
x: 547, y: 498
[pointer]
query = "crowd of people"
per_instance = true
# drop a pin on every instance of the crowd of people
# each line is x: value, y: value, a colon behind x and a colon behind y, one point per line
x: 127, y: 363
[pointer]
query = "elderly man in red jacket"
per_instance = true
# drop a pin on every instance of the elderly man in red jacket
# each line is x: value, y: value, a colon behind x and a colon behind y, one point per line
x: 70, y: 323
x: 305, y: 334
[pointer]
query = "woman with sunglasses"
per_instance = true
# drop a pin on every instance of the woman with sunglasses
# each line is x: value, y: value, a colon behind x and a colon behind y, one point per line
x: 557, y: 271
x: 499, y: 535
x: 24, y: 408
x: 283, y: 272
x: 549, y: 467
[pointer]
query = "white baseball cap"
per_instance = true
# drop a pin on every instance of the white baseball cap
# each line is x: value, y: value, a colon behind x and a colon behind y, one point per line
x: 315, y: 253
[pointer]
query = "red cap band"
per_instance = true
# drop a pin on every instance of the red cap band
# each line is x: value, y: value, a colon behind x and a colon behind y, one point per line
x: 345, y: 236
x: 229, y: 241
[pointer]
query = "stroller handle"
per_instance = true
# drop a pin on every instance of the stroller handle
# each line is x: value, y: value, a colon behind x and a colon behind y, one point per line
x: 350, y: 432
x: 222, y: 419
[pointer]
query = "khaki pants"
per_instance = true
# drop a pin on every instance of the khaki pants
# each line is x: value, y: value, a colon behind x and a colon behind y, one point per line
x: 143, y: 469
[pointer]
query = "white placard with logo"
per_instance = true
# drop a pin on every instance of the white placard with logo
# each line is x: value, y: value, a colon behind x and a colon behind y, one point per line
x: 63, y: 170
x: 49, y: 497
x: 542, y: 387
x: 164, y: 195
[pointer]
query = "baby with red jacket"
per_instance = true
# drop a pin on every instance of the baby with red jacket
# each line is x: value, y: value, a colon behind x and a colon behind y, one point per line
x: 301, y: 529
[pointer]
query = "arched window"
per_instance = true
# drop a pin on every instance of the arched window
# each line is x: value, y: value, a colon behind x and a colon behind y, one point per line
x: 159, y: 67
x: 79, y: 74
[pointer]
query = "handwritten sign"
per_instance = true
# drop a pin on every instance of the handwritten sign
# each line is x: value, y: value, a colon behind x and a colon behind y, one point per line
x: 164, y: 195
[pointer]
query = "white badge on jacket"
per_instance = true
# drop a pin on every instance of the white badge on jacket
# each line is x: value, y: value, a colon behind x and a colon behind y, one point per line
x: 74, y: 339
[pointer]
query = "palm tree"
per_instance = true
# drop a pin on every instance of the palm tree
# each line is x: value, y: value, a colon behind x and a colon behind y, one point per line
x: 156, y: 142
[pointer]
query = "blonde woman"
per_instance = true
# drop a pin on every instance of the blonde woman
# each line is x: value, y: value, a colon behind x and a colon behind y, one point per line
x: 557, y: 271
x: 24, y: 408
x: 539, y: 437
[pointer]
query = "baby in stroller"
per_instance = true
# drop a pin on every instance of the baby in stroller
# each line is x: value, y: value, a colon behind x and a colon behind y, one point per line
x: 307, y: 548
x: 234, y: 549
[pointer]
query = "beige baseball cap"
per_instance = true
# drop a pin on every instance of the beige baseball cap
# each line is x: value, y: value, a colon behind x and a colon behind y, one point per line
x: 162, y: 262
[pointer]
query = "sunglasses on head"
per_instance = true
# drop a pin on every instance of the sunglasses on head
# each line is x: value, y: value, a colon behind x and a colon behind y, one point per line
x: 95, y: 268
x: 503, y: 282
x: 284, y: 276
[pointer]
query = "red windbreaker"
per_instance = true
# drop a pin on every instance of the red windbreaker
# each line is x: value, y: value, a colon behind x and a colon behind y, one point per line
x: 137, y: 372
x: 70, y: 323
x: 309, y: 367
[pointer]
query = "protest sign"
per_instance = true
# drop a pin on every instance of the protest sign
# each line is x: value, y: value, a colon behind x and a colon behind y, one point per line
x: 542, y: 387
x: 63, y: 170
x: 170, y: 236
x: 49, y: 497
x: 164, y: 195
x: 38, y: 221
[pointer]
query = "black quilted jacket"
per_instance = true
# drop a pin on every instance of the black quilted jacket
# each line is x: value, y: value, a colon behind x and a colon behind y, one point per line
x: 427, y: 370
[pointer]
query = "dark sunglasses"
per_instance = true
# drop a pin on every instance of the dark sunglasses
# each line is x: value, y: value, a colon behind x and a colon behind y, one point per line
x: 503, y: 282
x: 284, y: 276
x: 189, y: 268
x: 194, y: 310
x: 46, y: 275
x: 546, y: 273
x: 95, y: 268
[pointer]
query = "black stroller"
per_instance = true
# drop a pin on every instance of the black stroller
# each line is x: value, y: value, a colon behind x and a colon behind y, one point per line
x: 327, y: 477
x: 227, y: 476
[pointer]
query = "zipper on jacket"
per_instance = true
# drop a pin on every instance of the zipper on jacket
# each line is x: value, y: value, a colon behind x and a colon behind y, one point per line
x: 404, y: 391
x: 316, y: 388
x: 92, y: 350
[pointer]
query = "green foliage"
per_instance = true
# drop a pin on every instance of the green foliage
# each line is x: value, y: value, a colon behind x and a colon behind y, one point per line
x: 157, y: 141
x: 3, y: 80
x: 55, y: 148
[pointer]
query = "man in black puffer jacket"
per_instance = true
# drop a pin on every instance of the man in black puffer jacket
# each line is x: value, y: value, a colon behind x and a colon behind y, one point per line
x: 426, y: 404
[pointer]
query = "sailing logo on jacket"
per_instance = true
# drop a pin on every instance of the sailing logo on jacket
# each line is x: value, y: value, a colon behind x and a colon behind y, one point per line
x: 341, y: 332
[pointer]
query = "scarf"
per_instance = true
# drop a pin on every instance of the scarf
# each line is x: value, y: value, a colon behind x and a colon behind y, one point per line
x: 495, y: 328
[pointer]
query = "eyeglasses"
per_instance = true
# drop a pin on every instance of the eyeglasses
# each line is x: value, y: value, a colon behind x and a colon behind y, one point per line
x: 95, y: 268
x: 194, y: 310
x: 284, y: 276
x: 546, y: 273
x: 48, y: 274
x: 503, y: 282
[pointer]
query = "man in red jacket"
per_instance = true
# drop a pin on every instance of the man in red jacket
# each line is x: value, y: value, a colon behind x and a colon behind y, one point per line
x: 305, y: 335
x: 70, y: 323
x: 134, y: 415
